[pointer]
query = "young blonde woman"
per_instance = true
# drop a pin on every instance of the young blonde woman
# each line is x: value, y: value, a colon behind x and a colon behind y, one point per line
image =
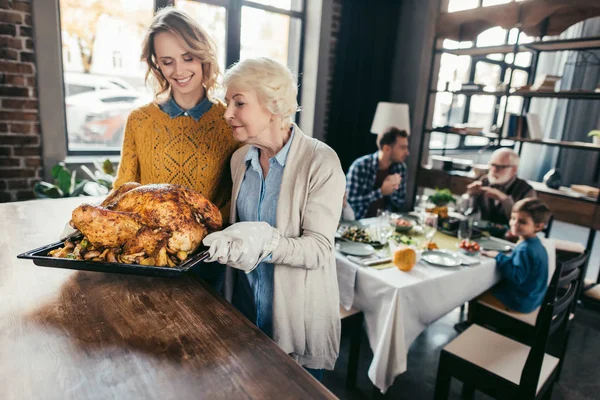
x: 181, y: 137
x: 288, y: 190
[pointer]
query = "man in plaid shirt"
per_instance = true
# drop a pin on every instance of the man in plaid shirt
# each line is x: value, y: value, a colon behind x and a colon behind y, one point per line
x: 378, y: 181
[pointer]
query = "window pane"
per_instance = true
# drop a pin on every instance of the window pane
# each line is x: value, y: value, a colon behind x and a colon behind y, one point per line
x: 495, y: 56
x: 442, y: 110
x: 481, y: 111
x: 459, y: 5
x: 291, y: 5
x: 492, y: 37
x: 523, y: 59
x: 454, y: 70
x: 515, y: 105
x: 488, y: 75
x: 519, y: 78
x: 476, y: 141
x: 443, y: 140
x: 453, y: 44
x: 501, y: 111
x: 487, y: 3
x: 103, y: 75
x: 512, y: 36
x: 265, y: 34
x: 211, y: 18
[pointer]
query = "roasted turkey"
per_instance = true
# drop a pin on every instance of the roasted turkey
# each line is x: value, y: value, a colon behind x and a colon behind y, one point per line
x: 155, y: 220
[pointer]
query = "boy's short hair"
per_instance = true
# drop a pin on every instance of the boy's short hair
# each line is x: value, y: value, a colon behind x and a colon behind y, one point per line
x: 539, y: 211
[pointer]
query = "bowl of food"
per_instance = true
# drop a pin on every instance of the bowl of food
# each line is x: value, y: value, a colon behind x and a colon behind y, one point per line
x: 403, y: 224
x: 469, y: 247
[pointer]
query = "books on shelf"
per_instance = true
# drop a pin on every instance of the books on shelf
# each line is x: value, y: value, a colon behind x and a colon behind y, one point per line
x: 545, y: 83
x: 589, y: 191
x: 534, y: 128
x: 515, y: 126
x: 468, y: 87
x: 522, y: 127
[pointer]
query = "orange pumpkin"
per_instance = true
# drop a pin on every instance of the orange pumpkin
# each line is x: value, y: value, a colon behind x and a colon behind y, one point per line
x: 405, y: 258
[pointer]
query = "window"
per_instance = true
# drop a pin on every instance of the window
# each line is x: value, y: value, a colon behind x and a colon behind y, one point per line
x: 104, y: 40
x: 101, y: 43
x: 481, y: 103
x: 213, y: 19
x: 117, y: 60
x: 460, y: 5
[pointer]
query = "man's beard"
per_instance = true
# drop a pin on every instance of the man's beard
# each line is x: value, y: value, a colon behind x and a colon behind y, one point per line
x: 504, y: 178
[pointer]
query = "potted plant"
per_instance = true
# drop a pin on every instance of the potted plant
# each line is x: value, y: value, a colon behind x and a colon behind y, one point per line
x: 440, y: 200
x: 595, y: 136
x: 66, y: 183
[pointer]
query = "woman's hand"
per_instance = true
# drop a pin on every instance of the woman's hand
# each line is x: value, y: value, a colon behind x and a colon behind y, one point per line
x: 242, y: 245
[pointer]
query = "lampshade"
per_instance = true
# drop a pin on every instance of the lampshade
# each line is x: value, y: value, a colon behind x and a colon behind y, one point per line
x: 391, y: 114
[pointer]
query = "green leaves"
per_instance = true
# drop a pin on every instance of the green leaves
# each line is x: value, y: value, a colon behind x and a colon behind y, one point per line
x: 594, y: 133
x: 441, y: 197
x: 66, y: 183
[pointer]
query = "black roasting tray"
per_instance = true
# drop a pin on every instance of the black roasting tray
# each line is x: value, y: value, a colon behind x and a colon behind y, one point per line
x: 40, y: 257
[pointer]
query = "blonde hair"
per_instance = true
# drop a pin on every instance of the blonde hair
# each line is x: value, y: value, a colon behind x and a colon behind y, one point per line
x: 193, y: 38
x: 274, y: 83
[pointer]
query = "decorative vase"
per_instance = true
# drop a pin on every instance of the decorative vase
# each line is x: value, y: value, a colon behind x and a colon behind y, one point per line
x: 596, y: 140
x: 552, y: 179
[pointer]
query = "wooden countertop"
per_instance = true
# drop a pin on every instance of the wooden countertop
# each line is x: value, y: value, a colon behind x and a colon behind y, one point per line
x: 85, y: 335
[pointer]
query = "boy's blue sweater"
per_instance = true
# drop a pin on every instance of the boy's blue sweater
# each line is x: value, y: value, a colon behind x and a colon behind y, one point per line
x: 525, y: 274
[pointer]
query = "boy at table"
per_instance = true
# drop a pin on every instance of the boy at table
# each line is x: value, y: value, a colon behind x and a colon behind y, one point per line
x: 525, y: 270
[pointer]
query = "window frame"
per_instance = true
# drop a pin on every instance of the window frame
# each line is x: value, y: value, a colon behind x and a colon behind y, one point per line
x: 233, y: 9
x: 504, y: 67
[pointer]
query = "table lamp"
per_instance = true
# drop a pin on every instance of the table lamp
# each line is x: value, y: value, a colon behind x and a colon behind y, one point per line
x: 390, y: 114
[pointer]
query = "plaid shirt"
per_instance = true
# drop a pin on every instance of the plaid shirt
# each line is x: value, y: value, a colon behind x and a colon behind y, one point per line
x: 361, y: 185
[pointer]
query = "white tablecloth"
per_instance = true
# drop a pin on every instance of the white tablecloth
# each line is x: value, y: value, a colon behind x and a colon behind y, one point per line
x: 398, y: 305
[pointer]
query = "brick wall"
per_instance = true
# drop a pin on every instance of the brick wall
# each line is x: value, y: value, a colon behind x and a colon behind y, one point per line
x: 335, y: 30
x: 20, y: 141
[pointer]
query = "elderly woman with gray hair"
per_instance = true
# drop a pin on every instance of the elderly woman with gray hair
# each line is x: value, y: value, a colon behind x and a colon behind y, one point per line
x: 287, y: 198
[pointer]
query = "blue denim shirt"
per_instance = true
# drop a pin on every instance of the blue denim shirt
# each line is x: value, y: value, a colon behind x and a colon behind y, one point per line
x: 172, y: 109
x: 257, y: 201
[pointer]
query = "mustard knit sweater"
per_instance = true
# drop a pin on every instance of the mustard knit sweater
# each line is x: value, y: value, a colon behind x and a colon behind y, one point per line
x: 183, y: 151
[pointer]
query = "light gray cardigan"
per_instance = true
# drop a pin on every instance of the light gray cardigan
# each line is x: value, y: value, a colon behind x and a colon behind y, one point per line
x: 306, y: 321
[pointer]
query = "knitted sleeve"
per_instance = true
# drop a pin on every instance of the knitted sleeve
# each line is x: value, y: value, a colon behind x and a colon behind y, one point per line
x: 129, y: 168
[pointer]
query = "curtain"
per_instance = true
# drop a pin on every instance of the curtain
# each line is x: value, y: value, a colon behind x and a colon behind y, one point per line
x: 362, y: 75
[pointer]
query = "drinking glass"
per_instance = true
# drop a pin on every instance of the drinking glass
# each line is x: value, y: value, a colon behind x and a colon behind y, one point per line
x: 465, y: 228
x: 430, y: 224
x: 384, y: 225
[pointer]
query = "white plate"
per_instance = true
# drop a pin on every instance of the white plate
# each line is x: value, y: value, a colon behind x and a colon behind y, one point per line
x: 494, y: 244
x: 440, y: 258
x: 355, y: 248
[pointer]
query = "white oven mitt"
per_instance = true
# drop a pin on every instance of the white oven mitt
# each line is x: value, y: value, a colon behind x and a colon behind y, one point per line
x: 242, y: 245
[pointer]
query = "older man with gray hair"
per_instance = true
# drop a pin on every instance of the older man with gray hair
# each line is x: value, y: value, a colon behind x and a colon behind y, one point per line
x: 495, y: 194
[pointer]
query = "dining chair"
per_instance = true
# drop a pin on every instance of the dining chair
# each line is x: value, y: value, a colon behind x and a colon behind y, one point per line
x: 521, y: 326
x: 591, y: 297
x: 354, y: 322
x: 501, y: 367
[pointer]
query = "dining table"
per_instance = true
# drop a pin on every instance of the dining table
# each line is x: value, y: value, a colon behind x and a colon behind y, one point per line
x: 399, y: 305
x: 70, y: 334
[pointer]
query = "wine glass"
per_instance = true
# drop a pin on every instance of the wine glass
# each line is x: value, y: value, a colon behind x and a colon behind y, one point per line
x: 384, y: 225
x: 430, y: 224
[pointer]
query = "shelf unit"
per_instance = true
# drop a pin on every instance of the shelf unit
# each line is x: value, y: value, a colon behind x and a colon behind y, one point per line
x: 572, y: 95
x: 589, y: 43
x: 546, y: 142
x: 466, y: 25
